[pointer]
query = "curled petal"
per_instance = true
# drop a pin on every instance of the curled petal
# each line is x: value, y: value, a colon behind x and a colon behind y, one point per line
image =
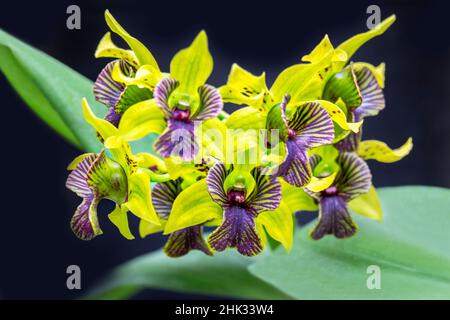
x: 182, y: 241
x: 81, y: 224
x: 210, y: 103
x: 77, y: 179
x: 107, y: 49
x: 119, y: 218
x: 238, y: 230
x: 162, y: 92
x: 245, y: 88
x: 106, y: 89
x: 372, y: 94
x: 142, y: 54
x: 334, y: 219
x: 380, y: 151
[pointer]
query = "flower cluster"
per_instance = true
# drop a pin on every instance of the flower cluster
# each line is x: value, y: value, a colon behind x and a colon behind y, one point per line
x: 295, y: 146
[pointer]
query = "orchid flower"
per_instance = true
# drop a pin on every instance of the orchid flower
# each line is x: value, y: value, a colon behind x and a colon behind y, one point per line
x: 352, y: 180
x: 138, y: 171
x: 130, y: 78
x: 184, y: 98
x: 244, y: 204
x: 95, y: 177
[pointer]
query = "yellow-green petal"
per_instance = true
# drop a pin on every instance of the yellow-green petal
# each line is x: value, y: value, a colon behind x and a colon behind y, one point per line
x: 380, y: 151
x: 107, y: 49
x: 377, y: 71
x: 142, y: 53
x: 279, y: 224
x: 120, y: 219
x: 139, y: 197
x: 192, y: 66
x: 338, y: 116
x: 319, y: 184
x: 297, y: 199
x: 103, y: 127
x: 246, y: 118
x: 354, y: 43
x: 146, y: 228
x: 75, y: 162
x: 245, y: 88
x: 139, y: 120
x: 192, y: 206
x: 368, y: 205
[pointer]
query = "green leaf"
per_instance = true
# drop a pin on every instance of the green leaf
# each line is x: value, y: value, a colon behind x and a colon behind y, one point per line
x: 51, y: 89
x: 411, y: 247
x: 225, y: 274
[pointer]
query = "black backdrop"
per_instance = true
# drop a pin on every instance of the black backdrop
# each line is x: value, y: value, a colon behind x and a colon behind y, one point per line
x: 35, y: 240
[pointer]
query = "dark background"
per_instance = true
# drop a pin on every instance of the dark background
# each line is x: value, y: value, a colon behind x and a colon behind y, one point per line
x: 35, y: 239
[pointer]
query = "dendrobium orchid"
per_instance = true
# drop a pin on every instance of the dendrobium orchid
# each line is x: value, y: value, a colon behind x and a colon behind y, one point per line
x: 185, y: 98
x: 130, y: 78
x: 310, y: 126
x: 293, y: 147
x: 352, y: 180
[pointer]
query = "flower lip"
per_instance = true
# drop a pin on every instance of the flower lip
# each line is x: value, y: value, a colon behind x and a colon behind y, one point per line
x: 180, y: 115
x: 236, y: 196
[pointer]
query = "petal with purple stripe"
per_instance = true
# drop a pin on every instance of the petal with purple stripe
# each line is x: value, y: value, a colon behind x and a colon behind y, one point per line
x: 312, y: 125
x: 162, y: 92
x: 334, y: 219
x: 238, y: 230
x: 215, y: 180
x: 106, y: 89
x: 84, y: 222
x: 112, y: 117
x: 77, y: 179
x: 182, y: 241
x: 178, y: 140
x: 163, y: 196
x: 267, y: 192
x: 354, y: 177
x: 295, y: 168
x: 350, y: 143
x: 372, y: 94
x: 210, y: 103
